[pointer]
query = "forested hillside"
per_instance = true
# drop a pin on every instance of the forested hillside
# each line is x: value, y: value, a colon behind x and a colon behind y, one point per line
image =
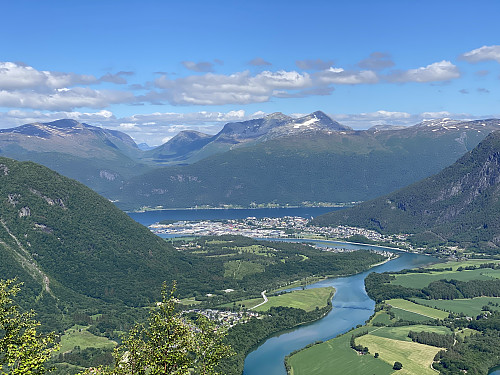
x: 459, y: 204
x: 315, y: 166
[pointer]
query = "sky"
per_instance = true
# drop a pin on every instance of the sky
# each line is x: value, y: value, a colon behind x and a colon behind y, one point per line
x: 154, y: 68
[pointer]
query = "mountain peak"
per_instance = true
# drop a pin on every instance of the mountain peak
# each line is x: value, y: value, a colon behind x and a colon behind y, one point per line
x: 64, y: 123
x: 277, y: 116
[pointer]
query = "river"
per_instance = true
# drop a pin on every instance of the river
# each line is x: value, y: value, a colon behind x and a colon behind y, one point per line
x: 351, y: 304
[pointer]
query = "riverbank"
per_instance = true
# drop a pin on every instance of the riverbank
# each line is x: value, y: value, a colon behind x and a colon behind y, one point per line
x: 350, y: 307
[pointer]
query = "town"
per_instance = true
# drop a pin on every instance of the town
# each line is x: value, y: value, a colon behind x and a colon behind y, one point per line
x: 284, y: 227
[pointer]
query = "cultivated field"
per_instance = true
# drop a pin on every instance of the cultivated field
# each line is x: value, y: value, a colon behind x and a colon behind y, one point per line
x: 416, y: 358
x: 307, y: 299
x: 421, y: 280
x: 337, y: 354
x: 401, y: 333
x: 470, y: 307
x: 425, y: 311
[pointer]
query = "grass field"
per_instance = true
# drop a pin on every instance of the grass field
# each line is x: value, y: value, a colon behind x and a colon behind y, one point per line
x: 421, y: 280
x: 307, y: 299
x: 79, y: 336
x: 381, y: 317
x: 416, y: 358
x: 470, y: 307
x: 454, y: 265
x: 417, y: 309
x: 238, y: 269
x: 336, y: 357
x: 401, y: 333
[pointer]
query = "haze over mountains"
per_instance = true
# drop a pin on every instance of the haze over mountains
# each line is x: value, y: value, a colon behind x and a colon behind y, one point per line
x: 274, y: 159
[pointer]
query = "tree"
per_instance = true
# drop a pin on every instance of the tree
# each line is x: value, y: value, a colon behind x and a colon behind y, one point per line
x: 22, y: 349
x: 168, y: 343
x: 397, y: 366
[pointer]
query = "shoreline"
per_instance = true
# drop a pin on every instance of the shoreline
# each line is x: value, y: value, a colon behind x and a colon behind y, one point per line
x: 333, y: 205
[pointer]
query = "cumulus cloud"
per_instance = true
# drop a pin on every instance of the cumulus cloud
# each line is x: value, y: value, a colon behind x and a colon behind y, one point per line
x: 344, y: 77
x: 259, y: 61
x: 317, y: 64
x: 438, y: 71
x: 485, y: 53
x: 377, y: 61
x: 203, y: 66
x: 63, y: 99
x: 18, y: 76
x: 237, y: 88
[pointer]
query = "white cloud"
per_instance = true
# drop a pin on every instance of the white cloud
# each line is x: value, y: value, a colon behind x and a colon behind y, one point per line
x: 63, y: 99
x: 343, y: 77
x: 438, y: 71
x: 485, y: 53
x: 15, y: 76
x: 237, y: 88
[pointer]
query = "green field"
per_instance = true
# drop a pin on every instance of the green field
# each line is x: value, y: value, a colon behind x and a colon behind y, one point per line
x: 416, y: 358
x: 401, y: 333
x: 421, y: 280
x: 79, y: 336
x: 307, y: 299
x: 238, y: 269
x: 381, y: 317
x: 470, y: 307
x: 426, y: 311
x: 409, y: 316
x: 465, y: 263
x: 337, y: 354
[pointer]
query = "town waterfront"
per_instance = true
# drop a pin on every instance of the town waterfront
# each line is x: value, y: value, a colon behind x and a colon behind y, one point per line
x: 150, y: 217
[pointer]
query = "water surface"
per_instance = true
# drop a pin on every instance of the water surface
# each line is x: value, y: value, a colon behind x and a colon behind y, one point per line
x: 351, y: 306
x: 150, y: 217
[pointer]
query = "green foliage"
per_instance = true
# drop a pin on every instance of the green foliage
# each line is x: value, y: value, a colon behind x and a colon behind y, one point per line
x: 448, y: 207
x: 397, y: 366
x: 22, y: 349
x: 169, y: 344
x: 432, y: 338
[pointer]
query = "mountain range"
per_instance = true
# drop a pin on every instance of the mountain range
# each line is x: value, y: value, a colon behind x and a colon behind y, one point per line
x: 458, y: 205
x: 274, y: 159
x: 317, y: 165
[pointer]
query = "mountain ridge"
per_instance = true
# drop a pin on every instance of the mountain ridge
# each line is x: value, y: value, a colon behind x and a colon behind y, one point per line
x: 458, y: 205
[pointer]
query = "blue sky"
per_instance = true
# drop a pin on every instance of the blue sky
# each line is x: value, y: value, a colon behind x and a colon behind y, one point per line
x: 153, y: 68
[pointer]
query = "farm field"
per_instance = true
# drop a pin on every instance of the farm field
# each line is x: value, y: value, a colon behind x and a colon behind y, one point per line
x: 470, y: 307
x: 79, y: 336
x: 401, y: 333
x: 307, y: 299
x: 463, y: 263
x: 426, y: 311
x: 416, y: 358
x: 337, y: 354
x: 421, y: 280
